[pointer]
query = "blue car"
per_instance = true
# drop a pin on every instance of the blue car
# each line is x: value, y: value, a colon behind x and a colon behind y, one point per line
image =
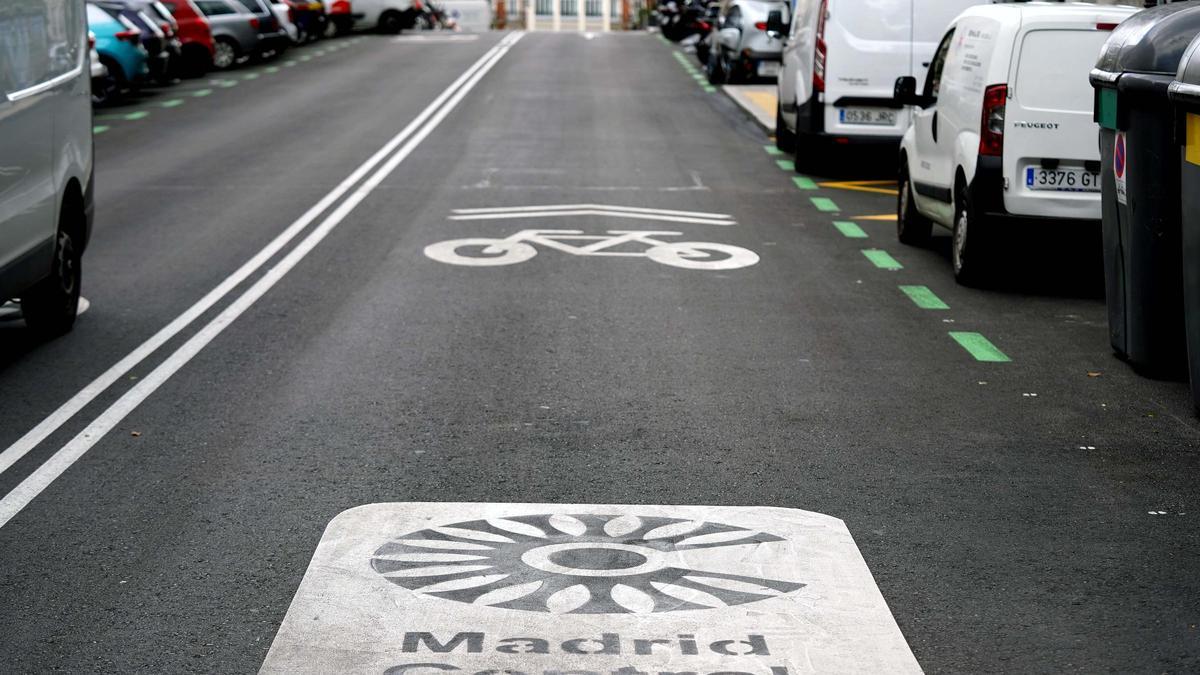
x: 119, y: 44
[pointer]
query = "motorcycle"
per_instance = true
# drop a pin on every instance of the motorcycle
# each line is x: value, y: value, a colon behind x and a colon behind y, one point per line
x: 680, y: 19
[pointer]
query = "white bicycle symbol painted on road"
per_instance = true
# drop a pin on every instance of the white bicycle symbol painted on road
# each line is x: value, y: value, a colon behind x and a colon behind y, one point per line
x: 517, y: 248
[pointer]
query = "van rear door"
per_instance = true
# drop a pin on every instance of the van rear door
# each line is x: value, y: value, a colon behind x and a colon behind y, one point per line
x: 1051, y: 160
x: 866, y: 50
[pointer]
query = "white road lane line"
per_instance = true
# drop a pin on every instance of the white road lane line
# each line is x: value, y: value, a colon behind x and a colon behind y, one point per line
x: 40, y: 479
x: 591, y: 212
x: 85, y: 396
x: 599, y: 207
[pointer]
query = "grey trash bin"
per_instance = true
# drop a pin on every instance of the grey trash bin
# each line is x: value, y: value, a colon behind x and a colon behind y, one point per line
x: 1141, y: 201
x: 1185, y: 95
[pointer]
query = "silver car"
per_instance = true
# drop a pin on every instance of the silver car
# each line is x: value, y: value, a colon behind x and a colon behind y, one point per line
x: 740, y: 47
x: 234, y: 30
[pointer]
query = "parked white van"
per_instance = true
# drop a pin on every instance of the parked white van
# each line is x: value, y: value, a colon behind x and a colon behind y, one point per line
x: 840, y: 64
x: 45, y: 158
x: 1003, y: 126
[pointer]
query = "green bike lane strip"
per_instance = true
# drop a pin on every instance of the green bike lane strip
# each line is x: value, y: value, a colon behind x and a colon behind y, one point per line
x: 923, y: 297
x: 849, y: 229
x: 979, y: 347
x: 882, y: 259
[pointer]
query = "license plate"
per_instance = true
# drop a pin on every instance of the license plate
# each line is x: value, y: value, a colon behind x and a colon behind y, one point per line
x: 768, y: 68
x: 868, y: 116
x: 1061, y: 180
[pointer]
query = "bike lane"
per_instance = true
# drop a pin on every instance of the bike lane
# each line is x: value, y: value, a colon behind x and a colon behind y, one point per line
x: 375, y: 373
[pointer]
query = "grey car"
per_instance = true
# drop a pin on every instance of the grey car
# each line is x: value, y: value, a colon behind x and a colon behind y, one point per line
x: 234, y: 30
x: 740, y: 47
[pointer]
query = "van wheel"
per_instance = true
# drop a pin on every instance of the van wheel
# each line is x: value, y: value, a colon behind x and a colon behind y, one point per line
x: 912, y: 228
x: 390, y: 23
x: 785, y: 139
x: 969, y: 249
x: 225, y: 53
x: 50, y: 306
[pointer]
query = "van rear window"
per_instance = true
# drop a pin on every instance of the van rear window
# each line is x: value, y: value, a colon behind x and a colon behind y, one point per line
x: 1052, y: 73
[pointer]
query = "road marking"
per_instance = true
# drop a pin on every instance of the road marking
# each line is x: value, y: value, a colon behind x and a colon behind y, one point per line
x: 864, y: 186
x: 923, y: 297
x: 825, y: 204
x: 407, y: 141
x: 171, y: 103
x: 427, y: 39
x: 804, y: 182
x: 849, y: 229
x: 785, y: 164
x: 518, y: 248
x: 882, y: 259
x: 100, y: 129
x: 886, y: 217
x: 708, y: 89
x: 979, y: 347
x: 200, y: 93
x: 772, y: 150
x: 250, y: 76
x: 602, y: 210
x: 423, y: 589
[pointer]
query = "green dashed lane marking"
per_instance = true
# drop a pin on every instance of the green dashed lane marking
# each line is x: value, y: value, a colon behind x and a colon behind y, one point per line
x: 772, y: 150
x: 250, y: 76
x: 225, y: 83
x: 272, y: 69
x: 172, y: 103
x: 129, y: 117
x: 99, y: 129
x: 882, y: 259
x: 785, y: 164
x: 849, y: 229
x: 923, y: 297
x: 289, y: 64
x: 200, y: 93
x: 825, y: 204
x: 804, y: 182
x: 306, y: 57
x: 708, y: 89
x: 979, y: 347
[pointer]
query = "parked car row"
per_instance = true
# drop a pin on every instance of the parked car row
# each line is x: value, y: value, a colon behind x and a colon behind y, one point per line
x: 1013, y: 121
x: 140, y: 42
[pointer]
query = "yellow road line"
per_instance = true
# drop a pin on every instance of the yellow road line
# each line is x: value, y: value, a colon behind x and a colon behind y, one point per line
x: 865, y: 186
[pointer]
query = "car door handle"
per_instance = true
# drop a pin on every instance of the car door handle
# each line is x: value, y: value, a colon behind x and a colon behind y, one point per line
x: 934, y: 126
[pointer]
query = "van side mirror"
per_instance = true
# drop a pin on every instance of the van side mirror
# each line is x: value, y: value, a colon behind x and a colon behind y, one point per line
x: 905, y: 93
x: 776, y: 28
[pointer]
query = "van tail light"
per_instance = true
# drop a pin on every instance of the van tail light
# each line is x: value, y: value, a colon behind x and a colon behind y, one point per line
x: 341, y: 7
x: 819, y: 53
x: 1106, y: 26
x: 254, y: 23
x: 91, y: 40
x: 991, y: 132
x: 130, y: 36
x: 761, y: 25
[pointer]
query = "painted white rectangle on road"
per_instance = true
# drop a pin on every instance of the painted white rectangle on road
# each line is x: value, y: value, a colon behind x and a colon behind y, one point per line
x: 541, y: 589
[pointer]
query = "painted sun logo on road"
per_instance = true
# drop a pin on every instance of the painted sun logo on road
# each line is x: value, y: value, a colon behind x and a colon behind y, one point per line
x: 575, y: 564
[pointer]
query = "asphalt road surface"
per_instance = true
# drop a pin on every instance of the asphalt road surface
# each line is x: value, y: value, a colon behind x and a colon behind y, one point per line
x: 1025, y: 502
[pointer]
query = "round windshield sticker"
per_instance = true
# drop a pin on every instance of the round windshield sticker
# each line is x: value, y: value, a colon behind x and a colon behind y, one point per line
x: 576, y: 564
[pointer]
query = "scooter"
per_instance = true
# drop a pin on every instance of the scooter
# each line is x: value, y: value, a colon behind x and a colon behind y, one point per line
x: 680, y: 19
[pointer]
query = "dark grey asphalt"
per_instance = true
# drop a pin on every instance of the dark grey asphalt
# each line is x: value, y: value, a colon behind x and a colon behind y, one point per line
x: 1000, y: 540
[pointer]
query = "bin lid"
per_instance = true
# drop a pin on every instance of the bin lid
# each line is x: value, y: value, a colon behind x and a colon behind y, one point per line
x: 1151, y: 41
x: 1186, y: 87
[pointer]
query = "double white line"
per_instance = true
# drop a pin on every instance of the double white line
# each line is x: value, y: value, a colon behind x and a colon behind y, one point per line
x: 344, y: 198
x: 603, y: 210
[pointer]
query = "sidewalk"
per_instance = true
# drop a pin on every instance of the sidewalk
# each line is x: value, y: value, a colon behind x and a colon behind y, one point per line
x: 759, y: 100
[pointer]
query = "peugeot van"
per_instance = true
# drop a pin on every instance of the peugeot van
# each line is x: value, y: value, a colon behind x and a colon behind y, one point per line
x: 840, y: 62
x: 1002, y: 129
x: 46, y: 153
x: 386, y: 16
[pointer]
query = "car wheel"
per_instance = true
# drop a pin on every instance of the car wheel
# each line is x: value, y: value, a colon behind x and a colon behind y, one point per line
x: 912, y: 228
x: 968, y: 250
x: 390, y: 23
x: 225, y: 53
x: 785, y: 139
x: 50, y: 306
